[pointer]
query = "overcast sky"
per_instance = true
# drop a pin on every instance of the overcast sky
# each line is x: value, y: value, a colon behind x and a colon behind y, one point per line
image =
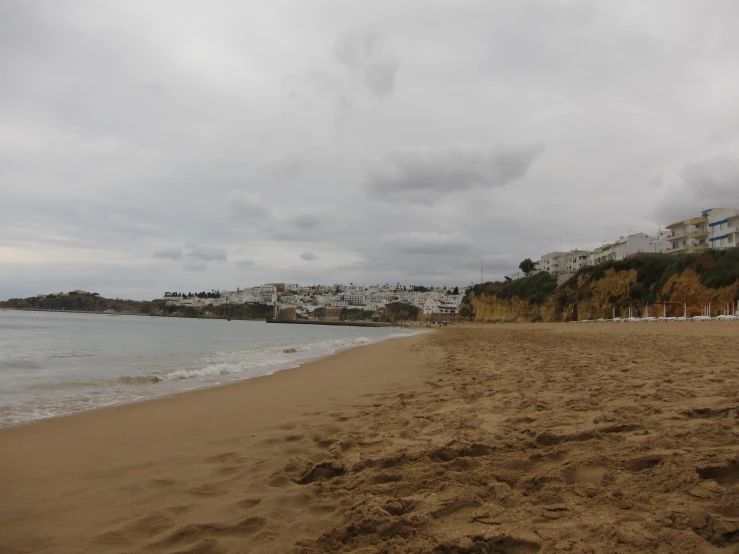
x: 181, y: 145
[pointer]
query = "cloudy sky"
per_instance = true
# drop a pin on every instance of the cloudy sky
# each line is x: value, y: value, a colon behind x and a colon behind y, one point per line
x: 182, y: 145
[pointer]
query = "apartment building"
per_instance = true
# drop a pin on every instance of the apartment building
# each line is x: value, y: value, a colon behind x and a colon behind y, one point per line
x: 576, y: 259
x: 714, y: 228
x: 689, y: 235
x: 558, y: 263
x: 628, y: 246
x: 554, y: 262
x: 724, y: 228
x: 355, y: 299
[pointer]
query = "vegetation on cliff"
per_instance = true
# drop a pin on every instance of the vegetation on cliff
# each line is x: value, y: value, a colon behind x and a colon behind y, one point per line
x: 84, y: 302
x: 683, y: 282
x: 87, y: 302
x: 400, y: 311
x: 715, y: 268
x: 534, y: 288
x: 356, y: 314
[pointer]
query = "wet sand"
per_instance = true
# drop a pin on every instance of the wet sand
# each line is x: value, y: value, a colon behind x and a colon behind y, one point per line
x: 505, y: 439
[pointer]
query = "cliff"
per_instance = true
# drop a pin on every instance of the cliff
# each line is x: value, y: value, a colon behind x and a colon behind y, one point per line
x: 657, y: 283
x: 86, y: 302
x: 400, y: 311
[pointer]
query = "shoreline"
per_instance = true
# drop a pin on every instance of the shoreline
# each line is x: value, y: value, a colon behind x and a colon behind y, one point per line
x: 55, y: 470
x: 194, y: 390
x: 207, y: 386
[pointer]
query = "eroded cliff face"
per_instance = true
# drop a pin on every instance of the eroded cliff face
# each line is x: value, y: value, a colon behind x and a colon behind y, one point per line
x: 608, y: 296
x: 687, y: 289
x: 491, y: 308
x: 590, y: 298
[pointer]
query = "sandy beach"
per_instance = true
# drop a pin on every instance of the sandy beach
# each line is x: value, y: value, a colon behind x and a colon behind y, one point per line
x: 476, y: 439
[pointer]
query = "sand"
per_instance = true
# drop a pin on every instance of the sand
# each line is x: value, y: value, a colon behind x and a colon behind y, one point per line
x: 479, y: 439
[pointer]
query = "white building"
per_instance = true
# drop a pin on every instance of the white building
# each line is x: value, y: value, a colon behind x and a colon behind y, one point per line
x: 558, y: 263
x: 724, y: 228
x: 576, y: 259
x: 264, y: 289
x: 662, y: 244
x: 689, y: 235
x: 714, y: 228
x: 554, y: 262
x: 289, y: 300
x: 355, y: 299
x: 625, y: 247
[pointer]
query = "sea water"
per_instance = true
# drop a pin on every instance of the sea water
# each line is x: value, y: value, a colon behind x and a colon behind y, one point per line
x: 54, y: 363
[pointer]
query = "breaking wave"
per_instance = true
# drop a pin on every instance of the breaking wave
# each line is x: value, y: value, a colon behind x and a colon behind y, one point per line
x: 138, y: 379
x: 264, y: 361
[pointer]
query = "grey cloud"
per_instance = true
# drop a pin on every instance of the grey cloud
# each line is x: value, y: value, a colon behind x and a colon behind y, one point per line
x: 305, y: 228
x: 169, y: 254
x: 248, y: 205
x: 207, y: 254
x: 432, y: 243
x: 368, y: 54
x: 308, y: 222
x: 194, y: 265
x: 711, y: 183
x: 154, y: 136
x: 309, y: 256
x: 415, y: 174
x: 287, y: 168
x: 291, y: 236
x: 245, y: 264
x: 379, y: 77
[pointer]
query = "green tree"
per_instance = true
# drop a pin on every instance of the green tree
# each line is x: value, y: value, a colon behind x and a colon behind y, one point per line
x: 456, y: 290
x: 527, y: 266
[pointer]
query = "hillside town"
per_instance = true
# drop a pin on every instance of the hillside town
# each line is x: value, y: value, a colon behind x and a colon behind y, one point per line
x: 307, y: 299
x: 714, y: 228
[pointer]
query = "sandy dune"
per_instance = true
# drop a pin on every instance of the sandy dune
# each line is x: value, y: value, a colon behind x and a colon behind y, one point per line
x: 484, y: 439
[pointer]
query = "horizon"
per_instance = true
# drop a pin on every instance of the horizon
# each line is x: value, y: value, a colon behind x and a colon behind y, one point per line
x: 195, y: 291
x: 328, y: 142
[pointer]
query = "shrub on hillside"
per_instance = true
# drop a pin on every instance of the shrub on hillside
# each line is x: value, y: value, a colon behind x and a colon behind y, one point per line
x: 534, y: 288
x: 716, y: 269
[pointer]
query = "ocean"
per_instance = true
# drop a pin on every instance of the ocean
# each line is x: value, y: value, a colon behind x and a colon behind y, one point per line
x: 54, y: 363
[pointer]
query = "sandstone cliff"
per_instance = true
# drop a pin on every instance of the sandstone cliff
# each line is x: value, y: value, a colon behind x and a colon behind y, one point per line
x: 653, y: 284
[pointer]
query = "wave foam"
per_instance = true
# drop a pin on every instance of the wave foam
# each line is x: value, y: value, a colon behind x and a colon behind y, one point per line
x: 138, y: 379
x: 264, y: 361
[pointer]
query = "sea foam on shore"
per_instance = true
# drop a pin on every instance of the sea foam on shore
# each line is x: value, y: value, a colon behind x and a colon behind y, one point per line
x: 54, y: 364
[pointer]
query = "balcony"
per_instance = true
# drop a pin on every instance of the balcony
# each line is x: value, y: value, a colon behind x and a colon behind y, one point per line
x: 688, y: 234
x: 687, y: 248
